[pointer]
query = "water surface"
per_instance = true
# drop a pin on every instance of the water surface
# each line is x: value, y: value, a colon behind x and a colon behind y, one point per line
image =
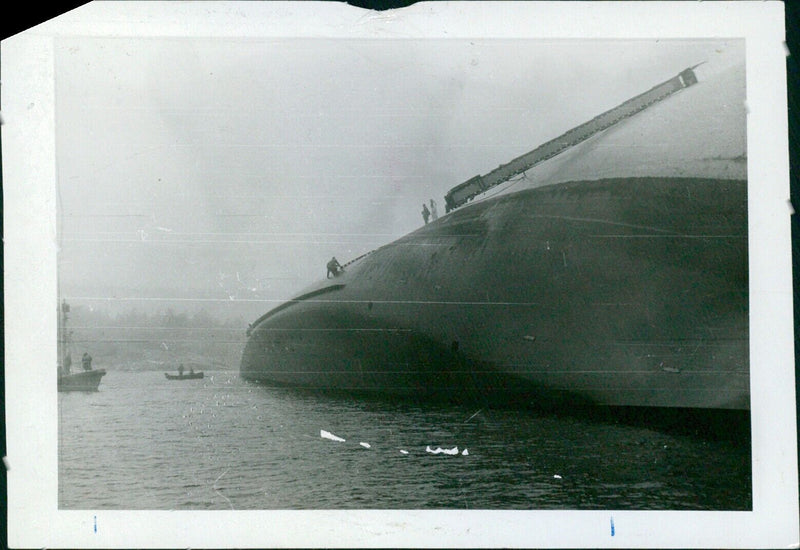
x: 143, y: 442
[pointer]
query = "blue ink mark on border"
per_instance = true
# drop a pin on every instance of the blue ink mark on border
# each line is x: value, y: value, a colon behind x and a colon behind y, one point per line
x: 95, y: 524
x: 612, y: 526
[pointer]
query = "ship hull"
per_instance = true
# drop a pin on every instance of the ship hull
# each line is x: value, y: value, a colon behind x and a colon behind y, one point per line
x: 620, y: 292
x: 81, y: 381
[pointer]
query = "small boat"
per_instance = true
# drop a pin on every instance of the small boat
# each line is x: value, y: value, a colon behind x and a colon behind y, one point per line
x: 81, y: 381
x: 89, y: 378
x: 189, y: 376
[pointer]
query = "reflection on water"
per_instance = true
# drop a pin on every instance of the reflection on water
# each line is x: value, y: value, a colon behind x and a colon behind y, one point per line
x: 143, y: 442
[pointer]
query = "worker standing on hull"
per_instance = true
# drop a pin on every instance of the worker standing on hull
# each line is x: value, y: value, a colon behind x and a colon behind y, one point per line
x: 334, y: 268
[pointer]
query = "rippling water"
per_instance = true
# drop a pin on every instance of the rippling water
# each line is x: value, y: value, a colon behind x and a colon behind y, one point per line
x: 143, y: 442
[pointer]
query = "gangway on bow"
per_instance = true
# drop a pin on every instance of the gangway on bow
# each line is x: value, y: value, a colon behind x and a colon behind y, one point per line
x: 464, y: 192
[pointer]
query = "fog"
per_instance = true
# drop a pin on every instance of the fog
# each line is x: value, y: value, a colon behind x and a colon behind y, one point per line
x: 221, y: 174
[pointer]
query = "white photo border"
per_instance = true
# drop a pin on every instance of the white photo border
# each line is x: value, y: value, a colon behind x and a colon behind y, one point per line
x: 29, y: 173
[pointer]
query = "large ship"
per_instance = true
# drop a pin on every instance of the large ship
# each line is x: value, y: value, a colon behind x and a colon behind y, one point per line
x: 608, y: 266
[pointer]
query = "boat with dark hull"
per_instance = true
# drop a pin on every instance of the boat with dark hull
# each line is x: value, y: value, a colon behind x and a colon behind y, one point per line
x: 187, y: 376
x: 614, y: 273
x: 81, y: 381
x: 86, y: 380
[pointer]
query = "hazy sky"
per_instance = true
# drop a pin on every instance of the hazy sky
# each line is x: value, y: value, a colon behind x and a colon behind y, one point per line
x: 212, y: 170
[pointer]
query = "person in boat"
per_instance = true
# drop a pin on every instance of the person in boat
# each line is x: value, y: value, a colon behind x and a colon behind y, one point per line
x: 425, y: 213
x: 180, y: 370
x: 191, y: 370
x: 334, y: 268
x: 86, y: 361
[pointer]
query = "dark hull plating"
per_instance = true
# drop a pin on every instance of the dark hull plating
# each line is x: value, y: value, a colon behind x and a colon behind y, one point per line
x: 622, y: 292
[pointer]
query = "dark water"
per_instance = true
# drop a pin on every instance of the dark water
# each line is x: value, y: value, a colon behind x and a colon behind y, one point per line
x: 143, y: 442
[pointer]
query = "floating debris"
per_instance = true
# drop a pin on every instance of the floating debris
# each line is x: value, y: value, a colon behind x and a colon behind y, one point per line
x: 464, y: 452
x: 473, y: 416
x: 439, y: 450
x: 556, y: 476
x: 403, y: 451
x: 328, y: 435
x: 668, y: 369
x: 365, y: 445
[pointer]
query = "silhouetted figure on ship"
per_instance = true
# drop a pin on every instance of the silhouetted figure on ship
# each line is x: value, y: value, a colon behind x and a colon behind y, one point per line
x: 434, y: 211
x: 180, y: 369
x: 425, y: 213
x: 334, y: 268
x: 86, y: 361
x: 67, y: 363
